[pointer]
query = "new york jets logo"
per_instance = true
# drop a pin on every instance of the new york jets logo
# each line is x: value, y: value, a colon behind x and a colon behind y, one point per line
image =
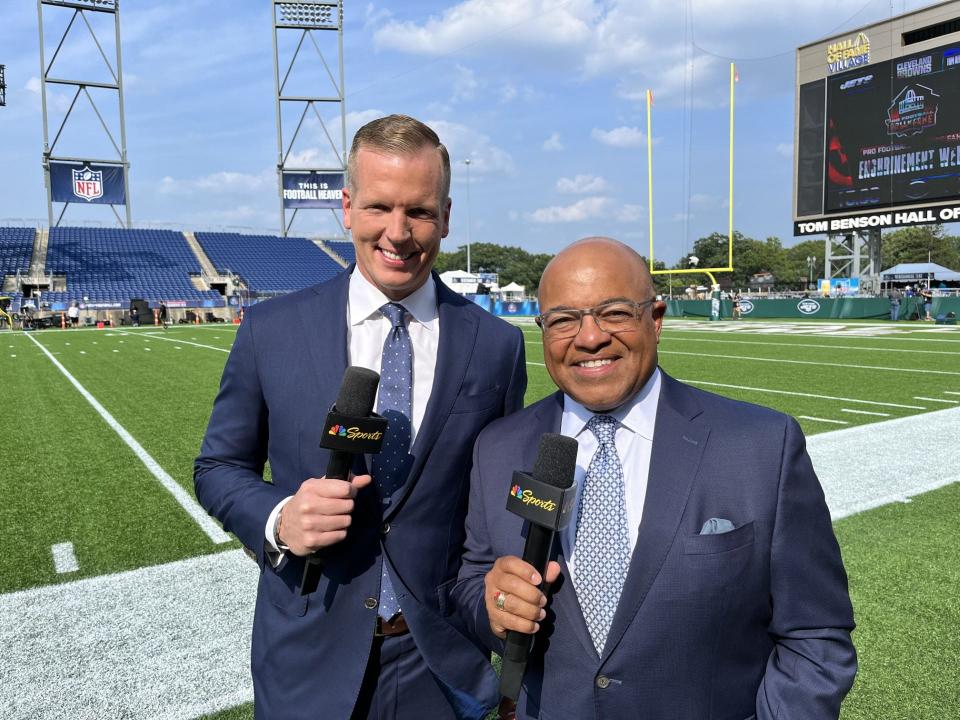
x: 808, y: 307
x: 746, y: 307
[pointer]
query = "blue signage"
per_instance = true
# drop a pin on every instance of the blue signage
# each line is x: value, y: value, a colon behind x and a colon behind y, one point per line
x: 87, y: 182
x: 312, y: 190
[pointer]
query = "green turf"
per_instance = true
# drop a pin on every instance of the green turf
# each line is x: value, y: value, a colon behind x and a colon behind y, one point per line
x: 68, y: 477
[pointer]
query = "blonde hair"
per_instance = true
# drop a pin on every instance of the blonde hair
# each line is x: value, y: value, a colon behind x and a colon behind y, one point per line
x: 399, y: 135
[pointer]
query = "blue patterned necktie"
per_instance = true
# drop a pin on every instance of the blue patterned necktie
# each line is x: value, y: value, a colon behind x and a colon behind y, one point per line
x: 395, y: 403
x: 603, y: 543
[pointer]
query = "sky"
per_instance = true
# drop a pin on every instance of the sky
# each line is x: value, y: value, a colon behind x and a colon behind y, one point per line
x: 546, y: 98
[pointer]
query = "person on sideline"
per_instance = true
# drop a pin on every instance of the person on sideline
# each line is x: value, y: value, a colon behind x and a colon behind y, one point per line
x: 377, y: 639
x: 699, y: 576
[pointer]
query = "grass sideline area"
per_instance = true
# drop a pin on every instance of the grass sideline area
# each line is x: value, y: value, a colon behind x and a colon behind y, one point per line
x: 70, y: 478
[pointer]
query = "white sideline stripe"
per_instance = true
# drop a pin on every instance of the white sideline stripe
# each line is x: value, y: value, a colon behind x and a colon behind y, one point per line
x: 865, y: 412
x: 802, y: 346
x: 816, y: 419
x: 950, y: 392
x: 800, y: 394
x: 199, y: 515
x: 170, y: 641
x: 811, y: 362
x: 895, y: 460
x: 939, y: 400
x: 64, y: 559
x: 187, y: 342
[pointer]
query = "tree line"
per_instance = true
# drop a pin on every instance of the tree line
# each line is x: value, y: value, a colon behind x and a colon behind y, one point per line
x: 788, y: 266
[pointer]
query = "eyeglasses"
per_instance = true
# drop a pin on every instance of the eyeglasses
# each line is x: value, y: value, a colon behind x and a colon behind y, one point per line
x: 612, y: 317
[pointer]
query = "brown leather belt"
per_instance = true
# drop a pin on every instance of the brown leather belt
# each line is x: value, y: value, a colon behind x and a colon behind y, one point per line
x: 388, y: 628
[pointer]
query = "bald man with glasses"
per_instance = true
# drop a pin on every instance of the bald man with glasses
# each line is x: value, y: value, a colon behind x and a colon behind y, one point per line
x: 699, y: 576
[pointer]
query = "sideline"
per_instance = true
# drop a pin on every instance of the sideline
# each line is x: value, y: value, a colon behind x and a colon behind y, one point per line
x: 209, y: 526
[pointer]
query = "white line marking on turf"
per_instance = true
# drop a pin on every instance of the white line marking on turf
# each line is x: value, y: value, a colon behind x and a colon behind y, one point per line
x: 939, y: 400
x: 811, y: 362
x: 800, y: 394
x: 816, y: 419
x: 894, y: 460
x: 64, y: 559
x: 193, y: 509
x: 864, y: 412
x: 803, y: 345
x: 187, y: 342
x: 168, y: 642
x: 950, y: 392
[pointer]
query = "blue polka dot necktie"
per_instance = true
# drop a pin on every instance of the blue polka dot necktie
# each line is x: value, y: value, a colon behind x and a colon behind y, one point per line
x: 395, y: 403
x: 602, y: 555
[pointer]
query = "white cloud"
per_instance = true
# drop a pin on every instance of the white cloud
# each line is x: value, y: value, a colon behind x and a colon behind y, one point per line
x: 584, y: 209
x: 464, y: 142
x: 631, y: 213
x: 220, y: 183
x: 508, y: 92
x: 582, y: 184
x: 552, y: 143
x: 530, y: 23
x: 785, y: 150
x: 465, y: 84
x: 33, y: 85
x: 625, y: 137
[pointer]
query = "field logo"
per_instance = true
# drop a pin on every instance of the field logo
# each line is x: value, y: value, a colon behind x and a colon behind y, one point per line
x: 808, y: 306
x: 87, y: 183
x: 912, y: 111
x: 847, y: 54
x: 339, y: 430
x: 746, y: 307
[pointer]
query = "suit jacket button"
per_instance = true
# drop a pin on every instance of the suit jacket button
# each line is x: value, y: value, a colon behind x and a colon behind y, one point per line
x: 385, y: 528
x: 603, y: 682
x: 370, y: 603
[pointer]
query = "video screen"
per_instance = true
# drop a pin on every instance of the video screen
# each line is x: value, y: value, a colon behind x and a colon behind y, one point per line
x: 893, y: 132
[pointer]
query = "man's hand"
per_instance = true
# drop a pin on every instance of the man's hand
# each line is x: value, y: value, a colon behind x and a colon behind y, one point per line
x: 319, y: 514
x: 513, y: 600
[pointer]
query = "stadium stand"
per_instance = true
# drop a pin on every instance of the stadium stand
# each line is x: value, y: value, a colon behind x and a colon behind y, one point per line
x: 16, y: 249
x: 114, y: 265
x: 268, y: 264
x: 343, y: 249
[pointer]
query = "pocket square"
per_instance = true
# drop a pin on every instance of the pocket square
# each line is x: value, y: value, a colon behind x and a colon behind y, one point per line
x: 716, y: 526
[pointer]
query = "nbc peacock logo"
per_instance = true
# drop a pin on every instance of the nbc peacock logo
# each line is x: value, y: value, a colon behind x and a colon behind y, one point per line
x: 339, y: 430
x: 516, y: 491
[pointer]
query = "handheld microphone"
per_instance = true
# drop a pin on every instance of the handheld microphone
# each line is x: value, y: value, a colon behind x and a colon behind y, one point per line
x: 545, y: 499
x: 351, y: 428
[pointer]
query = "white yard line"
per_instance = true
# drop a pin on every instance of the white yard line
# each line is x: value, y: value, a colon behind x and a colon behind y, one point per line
x: 183, y: 498
x: 950, y: 392
x: 170, y: 642
x: 936, y: 400
x: 64, y: 559
x: 187, y: 342
x: 800, y: 394
x: 824, y: 420
x: 802, y: 346
x: 811, y: 362
x: 864, y: 412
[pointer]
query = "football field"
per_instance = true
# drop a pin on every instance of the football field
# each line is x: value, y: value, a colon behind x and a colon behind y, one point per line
x: 119, y: 597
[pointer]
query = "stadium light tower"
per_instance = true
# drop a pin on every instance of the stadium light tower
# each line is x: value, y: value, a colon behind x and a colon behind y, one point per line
x: 811, y: 262
x: 81, y: 179
x: 316, y: 185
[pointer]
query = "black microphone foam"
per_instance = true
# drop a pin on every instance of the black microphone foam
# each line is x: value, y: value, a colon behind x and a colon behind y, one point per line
x: 557, y: 460
x: 358, y: 391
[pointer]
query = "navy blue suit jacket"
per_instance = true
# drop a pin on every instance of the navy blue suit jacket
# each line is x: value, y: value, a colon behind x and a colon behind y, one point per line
x: 283, y: 374
x: 753, y: 622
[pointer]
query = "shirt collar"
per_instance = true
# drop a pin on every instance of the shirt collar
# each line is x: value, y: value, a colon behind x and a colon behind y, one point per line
x: 639, y: 414
x: 364, y: 299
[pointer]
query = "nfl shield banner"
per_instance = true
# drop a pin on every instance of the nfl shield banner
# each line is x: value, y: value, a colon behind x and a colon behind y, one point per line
x: 87, y: 182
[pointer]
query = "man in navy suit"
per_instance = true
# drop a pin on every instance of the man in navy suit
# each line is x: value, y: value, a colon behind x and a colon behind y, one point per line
x: 699, y: 576
x: 378, y: 638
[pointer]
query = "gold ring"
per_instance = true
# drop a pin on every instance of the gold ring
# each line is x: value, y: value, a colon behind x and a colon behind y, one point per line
x: 500, y: 599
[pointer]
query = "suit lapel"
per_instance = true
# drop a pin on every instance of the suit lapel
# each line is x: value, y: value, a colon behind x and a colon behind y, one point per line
x: 458, y: 333
x: 675, y: 457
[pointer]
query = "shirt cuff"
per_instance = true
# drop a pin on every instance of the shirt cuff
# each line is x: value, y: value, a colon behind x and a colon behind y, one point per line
x: 274, y: 553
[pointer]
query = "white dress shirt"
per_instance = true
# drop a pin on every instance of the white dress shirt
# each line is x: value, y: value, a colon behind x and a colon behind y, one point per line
x: 367, y: 329
x: 634, y: 441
